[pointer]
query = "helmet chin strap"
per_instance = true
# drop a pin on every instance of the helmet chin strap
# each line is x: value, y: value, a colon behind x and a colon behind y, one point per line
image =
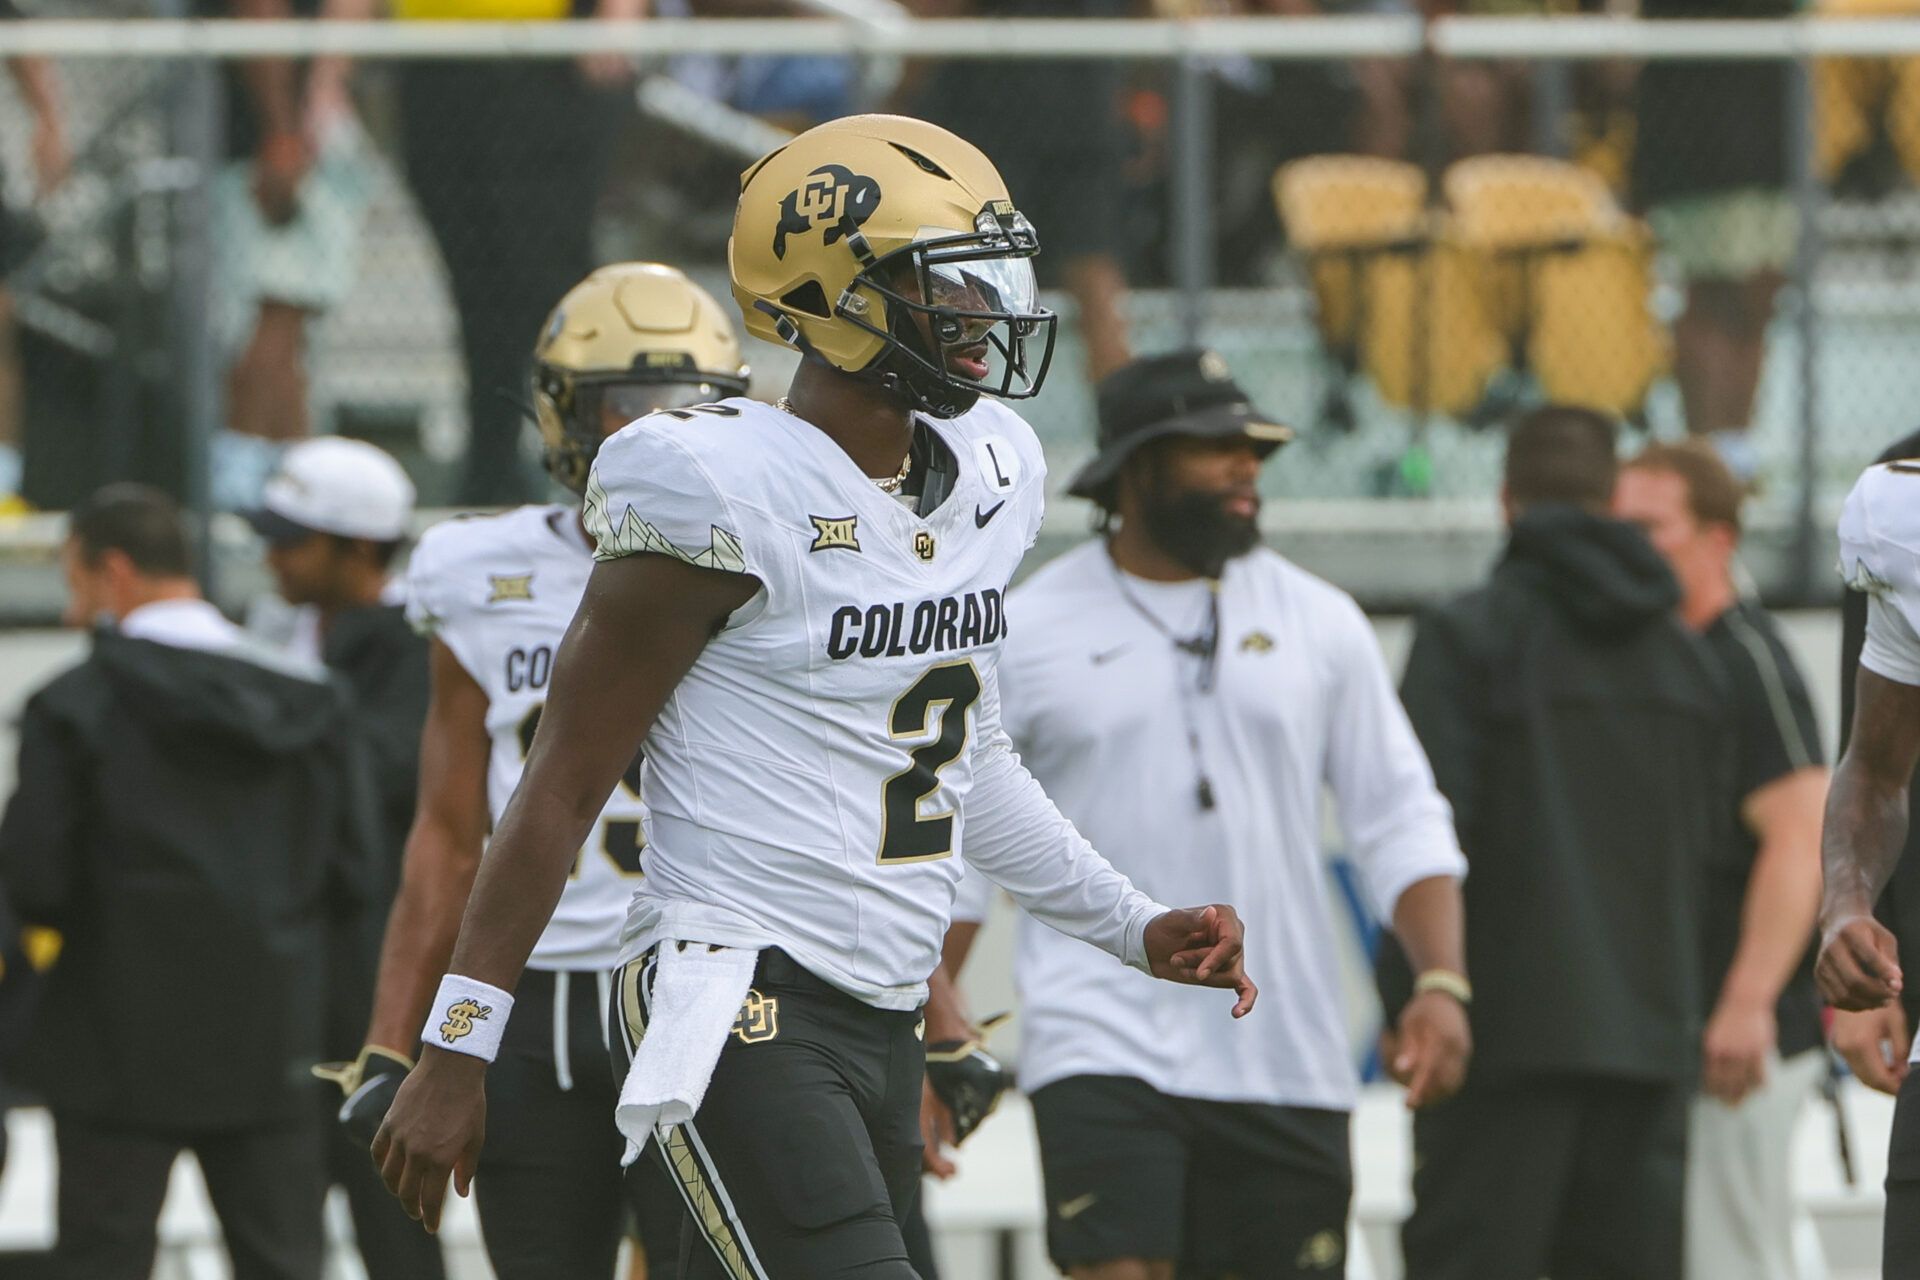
x: 923, y: 392
x: 896, y: 373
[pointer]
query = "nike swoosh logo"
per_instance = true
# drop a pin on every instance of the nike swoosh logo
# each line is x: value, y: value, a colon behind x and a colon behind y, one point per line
x: 1103, y: 658
x: 1071, y: 1209
x: 980, y: 517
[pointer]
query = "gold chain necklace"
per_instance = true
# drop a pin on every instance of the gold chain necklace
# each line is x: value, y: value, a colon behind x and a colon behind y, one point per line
x: 891, y: 484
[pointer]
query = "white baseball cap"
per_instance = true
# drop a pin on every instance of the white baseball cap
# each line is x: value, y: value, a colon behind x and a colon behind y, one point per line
x: 334, y: 485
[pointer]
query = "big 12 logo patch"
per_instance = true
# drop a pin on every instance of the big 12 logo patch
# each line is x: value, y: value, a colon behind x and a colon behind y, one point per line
x: 834, y: 196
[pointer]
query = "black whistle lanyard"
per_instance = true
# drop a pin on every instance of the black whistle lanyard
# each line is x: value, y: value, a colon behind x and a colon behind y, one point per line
x: 1206, y: 647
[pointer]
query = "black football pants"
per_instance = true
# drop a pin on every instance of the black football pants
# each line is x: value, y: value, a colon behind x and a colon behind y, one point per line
x: 805, y: 1155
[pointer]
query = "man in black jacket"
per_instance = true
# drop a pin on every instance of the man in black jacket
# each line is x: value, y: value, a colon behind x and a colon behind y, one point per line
x: 192, y: 815
x: 1583, y: 738
x: 334, y: 516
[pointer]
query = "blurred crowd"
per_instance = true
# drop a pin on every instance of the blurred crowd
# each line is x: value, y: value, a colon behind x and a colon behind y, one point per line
x: 517, y: 169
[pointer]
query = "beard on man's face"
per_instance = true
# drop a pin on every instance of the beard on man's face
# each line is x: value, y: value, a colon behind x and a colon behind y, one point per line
x: 1195, y: 527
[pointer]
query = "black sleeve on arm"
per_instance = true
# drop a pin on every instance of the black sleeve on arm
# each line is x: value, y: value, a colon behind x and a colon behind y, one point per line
x: 392, y: 710
x: 1778, y: 731
x: 40, y: 836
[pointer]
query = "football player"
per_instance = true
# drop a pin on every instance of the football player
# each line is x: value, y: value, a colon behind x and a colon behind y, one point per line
x: 1866, y: 822
x: 494, y: 594
x: 800, y: 607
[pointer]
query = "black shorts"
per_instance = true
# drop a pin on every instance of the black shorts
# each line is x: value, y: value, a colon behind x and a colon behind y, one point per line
x: 1900, y: 1246
x: 549, y: 1191
x: 1577, y: 1178
x: 805, y: 1154
x: 1223, y: 1188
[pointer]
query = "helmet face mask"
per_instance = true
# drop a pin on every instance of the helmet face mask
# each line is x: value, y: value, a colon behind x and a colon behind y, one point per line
x: 962, y: 328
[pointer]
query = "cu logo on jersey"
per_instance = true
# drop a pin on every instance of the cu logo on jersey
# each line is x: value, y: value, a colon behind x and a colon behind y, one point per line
x: 833, y: 196
x: 923, y: 545
x: 758, y: 1020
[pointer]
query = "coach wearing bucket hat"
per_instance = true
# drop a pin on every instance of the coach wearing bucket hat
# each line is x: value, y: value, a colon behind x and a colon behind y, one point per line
x: 334, y: 516
x: 1185, y: 695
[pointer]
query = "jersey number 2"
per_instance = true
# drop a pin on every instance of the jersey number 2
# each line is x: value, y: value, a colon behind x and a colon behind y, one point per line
x: 950, y: 688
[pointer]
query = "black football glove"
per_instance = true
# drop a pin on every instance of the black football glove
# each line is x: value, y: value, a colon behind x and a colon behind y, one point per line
x: 369, y: 1081
x: 968, y: 1081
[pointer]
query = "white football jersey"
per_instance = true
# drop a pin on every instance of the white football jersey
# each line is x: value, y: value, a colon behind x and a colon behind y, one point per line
x: 499, y: 592
x: 1880, y: 555
x: 808, y: 783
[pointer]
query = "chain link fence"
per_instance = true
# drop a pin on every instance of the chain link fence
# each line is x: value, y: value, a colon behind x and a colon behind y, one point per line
x: 1397, y: 233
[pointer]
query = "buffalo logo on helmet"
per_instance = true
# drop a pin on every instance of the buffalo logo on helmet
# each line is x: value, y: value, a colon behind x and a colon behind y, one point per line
x: 833, y: 196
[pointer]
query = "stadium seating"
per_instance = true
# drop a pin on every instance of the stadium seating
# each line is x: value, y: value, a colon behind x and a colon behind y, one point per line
x: 1529, y: 265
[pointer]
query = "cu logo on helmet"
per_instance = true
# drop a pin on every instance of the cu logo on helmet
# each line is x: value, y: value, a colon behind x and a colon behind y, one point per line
x: 833, y: 196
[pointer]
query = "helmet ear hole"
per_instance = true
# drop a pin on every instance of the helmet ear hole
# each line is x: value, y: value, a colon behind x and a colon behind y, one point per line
x: 808, y: 297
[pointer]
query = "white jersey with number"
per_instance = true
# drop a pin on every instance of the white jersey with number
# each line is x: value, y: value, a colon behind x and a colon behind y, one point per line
x: 499, y: 591
x: 838, y: 742
x: 1880, y: 555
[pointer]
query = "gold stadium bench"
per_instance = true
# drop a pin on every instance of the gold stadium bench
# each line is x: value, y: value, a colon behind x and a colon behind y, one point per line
x: 1529, y: 266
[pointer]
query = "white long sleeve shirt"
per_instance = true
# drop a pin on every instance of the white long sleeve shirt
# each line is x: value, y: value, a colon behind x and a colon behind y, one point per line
x: 1302, y: 704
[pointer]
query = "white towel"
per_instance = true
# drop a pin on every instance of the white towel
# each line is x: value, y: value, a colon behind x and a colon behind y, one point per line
x: 697, y: 994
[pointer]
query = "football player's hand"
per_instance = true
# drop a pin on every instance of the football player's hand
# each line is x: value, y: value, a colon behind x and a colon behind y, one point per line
x: 432, y: 1132
x: 369, y: 1083
x: 1859, y: 965
x: 1734, y: 1050
x: 936, y: 1134
x: 1874, y: 1045
x: 1429, y: 1049
x: 1203, y: 946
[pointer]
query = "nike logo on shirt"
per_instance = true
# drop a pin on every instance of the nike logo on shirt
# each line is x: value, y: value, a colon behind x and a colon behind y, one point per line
x: 980, y: 517
x: 1105, y: 656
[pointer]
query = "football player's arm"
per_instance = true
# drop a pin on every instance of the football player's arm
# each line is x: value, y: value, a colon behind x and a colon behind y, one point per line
x: 1016, y: 836
x: 642, y: 623
x: 1866, y: 825
x: 443, y: 853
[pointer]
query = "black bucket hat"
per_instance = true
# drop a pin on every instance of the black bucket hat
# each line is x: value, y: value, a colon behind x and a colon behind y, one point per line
x: 1181, y: 393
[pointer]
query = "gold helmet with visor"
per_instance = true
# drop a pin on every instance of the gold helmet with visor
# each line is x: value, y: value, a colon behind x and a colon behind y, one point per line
x: 631, y: 339
x: 890, y: 249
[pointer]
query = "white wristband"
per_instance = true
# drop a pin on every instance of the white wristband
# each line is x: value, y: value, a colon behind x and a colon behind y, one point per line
x: 467, y: 1017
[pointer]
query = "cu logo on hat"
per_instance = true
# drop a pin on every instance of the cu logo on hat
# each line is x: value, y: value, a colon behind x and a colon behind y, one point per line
x: 1213, y: 367
x: 833, y: 195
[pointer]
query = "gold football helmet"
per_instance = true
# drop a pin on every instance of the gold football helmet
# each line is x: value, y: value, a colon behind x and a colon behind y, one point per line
x: 889, y: 248
x: 631, y: 339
